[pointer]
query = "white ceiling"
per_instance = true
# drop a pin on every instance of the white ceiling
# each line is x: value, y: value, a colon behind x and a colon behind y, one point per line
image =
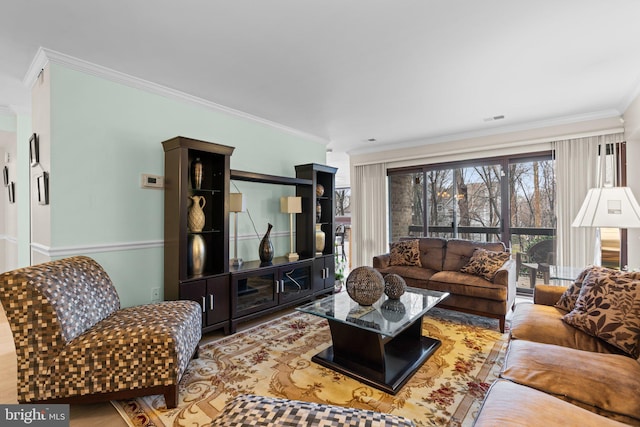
x: 399, y: 71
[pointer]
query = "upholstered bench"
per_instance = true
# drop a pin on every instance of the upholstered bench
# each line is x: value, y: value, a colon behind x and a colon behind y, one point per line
x: 75, y: 344
x: 250, y: 410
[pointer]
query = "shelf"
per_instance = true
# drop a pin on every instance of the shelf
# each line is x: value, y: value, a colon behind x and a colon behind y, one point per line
x: 206, y: 191
x: 205, y: 231
x: 268, y: 179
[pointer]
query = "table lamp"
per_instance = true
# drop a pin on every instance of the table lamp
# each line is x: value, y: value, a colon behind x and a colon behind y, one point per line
x: 291, y: 205
x: 236, y: 204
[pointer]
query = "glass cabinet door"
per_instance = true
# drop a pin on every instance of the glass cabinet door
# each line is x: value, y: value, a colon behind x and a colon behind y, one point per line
x: 295, y: 282
x: 254, y: 292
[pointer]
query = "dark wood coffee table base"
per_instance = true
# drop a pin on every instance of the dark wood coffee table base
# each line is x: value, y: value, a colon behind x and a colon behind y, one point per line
x: 386, y: 363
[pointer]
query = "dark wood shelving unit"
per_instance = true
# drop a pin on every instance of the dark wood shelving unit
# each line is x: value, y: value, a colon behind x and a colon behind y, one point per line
x: 211, y: 288
x: 229, y: 295
x: 324, y: 260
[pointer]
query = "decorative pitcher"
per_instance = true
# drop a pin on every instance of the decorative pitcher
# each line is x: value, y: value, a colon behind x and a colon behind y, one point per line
x: 195, y: 218
x: 265, y: 250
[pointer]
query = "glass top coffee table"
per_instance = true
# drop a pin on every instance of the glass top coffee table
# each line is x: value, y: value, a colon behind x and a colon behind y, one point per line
x: 380, y: 345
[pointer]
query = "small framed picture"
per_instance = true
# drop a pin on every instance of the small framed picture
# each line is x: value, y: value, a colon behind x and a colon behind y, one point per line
x: 34, y: 150
x: 12, y: 192
x: 43, y: 188
x: 5, y: 174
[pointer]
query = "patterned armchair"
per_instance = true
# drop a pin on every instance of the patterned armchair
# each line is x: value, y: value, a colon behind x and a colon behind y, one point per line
x: 75, y: 344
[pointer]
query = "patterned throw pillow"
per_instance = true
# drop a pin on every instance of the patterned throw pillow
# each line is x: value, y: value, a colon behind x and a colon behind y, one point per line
x: 485, y: 263
x: 608, y: 307
x: 568, y: 299
x: 406, y: 252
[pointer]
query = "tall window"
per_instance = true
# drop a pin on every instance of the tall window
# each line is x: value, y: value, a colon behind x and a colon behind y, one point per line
x: 508, y: 199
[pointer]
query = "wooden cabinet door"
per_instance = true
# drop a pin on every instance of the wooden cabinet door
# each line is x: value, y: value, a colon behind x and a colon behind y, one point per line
x: 217, y: 300
x: 195, y: 291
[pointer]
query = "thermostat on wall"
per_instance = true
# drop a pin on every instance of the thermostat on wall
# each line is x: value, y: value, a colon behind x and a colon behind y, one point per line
x: 152, y: 181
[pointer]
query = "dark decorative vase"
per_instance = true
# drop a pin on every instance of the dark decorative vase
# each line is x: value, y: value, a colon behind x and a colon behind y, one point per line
x: 196, y: 173
x: 265, y: 250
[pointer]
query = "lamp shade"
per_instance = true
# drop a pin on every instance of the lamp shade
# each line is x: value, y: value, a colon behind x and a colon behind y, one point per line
x: 291, y: 204
x: 614, y: 207
x: 236, y: 202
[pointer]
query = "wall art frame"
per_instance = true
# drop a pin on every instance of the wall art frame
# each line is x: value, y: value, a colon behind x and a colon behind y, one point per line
x: 34, y: 150
x: 5, y: 175
x: 11, y: 189
x: 43, y: 188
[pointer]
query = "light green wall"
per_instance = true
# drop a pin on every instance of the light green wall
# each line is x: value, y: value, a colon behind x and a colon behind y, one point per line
x: 105, y: 134
x: 7, y: 122
x: 23, y: 132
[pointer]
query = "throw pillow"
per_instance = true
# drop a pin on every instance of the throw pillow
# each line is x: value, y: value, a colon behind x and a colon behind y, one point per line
x: 568, y: 299
x: 406, y: 252
x: 485, y: 263
x: 608, y: 307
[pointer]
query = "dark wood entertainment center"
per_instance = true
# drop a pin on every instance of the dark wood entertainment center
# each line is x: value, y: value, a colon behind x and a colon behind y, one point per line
x: 231, y: 295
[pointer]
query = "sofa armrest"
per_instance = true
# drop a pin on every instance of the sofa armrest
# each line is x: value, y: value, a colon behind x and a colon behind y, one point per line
x: 506, y: 273
x: 381, y: 261
x: 547, y: 294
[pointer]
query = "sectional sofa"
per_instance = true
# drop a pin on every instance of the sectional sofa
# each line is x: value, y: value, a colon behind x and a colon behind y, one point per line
x: 573, y: 358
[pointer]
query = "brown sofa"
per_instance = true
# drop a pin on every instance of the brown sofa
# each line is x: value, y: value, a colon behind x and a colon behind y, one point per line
x: 441, y: 261
x: 557, y: 375
x: 74, y: 344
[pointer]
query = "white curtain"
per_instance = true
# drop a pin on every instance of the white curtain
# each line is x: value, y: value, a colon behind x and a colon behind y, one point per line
x: 577, y: 170
x: 369, y: 234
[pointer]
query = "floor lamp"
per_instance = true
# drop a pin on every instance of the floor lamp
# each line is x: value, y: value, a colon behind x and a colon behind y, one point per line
x: 609, y: 207
x: 291, y: 205
x: 236, y: 204
x: 614, y: 207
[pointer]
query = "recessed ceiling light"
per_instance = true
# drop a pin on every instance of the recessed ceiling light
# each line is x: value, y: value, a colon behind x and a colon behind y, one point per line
x: 371, y: 140
x: 490, y: 119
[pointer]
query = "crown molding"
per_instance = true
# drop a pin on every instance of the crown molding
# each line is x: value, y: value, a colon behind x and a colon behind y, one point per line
x: 44, y: 56
x: 6, y: 110
x: 595, y: 115
x: 631, y: 96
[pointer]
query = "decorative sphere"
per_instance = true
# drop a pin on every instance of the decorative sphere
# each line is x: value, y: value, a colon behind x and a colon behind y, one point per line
x: 319, y: 190
x: 393, y: 310
x: 394, y: 286
x: 365, y: 285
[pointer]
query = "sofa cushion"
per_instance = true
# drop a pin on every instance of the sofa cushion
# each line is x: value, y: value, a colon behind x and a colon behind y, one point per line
x: 543, y: 323
x: 408, y: 272
x: 466, y: 284
x: 603, y: 383
x: 608, y: 307
x: 432, y: 252
x: 460, y: 251
x: 405, y: 252
x: 485, y: 263
x: 510, y: 404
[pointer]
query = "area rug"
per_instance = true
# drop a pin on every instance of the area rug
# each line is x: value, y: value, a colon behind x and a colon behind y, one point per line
x: 274, y: 359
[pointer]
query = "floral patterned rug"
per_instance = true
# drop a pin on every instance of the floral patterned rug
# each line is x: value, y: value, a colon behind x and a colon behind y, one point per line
x: 274, y: 359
